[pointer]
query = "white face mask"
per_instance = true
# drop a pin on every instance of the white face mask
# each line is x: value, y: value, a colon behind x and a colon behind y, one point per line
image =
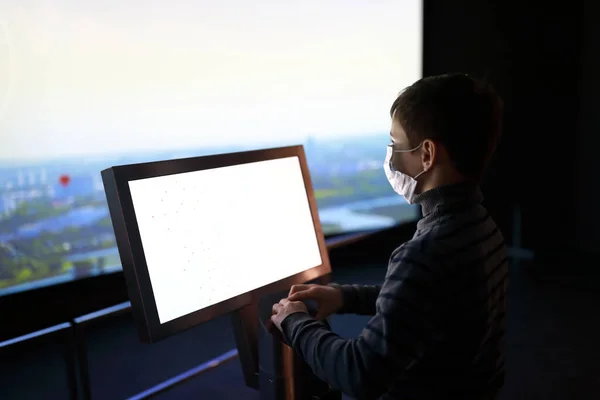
x: 402, y: 184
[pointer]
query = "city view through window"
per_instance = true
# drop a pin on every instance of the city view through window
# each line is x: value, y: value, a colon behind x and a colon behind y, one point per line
x: 84, y: 87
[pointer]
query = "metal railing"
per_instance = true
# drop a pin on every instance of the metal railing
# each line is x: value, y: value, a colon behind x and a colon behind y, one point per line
x: 63, y: 332
x: 80, y: 325
x: 76, y: 346
x: 187, y: 375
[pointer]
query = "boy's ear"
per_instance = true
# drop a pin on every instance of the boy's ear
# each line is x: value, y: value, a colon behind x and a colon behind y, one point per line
x: 429, y: 154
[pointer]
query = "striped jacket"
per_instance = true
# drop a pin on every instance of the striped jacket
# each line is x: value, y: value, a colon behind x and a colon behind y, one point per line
x: 438, y: 322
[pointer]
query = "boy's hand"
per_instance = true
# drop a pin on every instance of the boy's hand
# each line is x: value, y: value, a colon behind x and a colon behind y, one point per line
x: 329, y: 299
x: 284, y: 308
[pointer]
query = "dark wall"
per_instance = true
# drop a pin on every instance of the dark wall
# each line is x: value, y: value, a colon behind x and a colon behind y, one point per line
x: 587, y: 173
x: 540, y: 60
x: 470, y: 39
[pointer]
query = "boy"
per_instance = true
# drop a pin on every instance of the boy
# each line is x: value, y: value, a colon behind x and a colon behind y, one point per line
x: 438, y: 323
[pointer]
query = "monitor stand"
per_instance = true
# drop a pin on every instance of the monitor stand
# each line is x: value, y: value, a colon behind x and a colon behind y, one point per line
x: 269, y: 363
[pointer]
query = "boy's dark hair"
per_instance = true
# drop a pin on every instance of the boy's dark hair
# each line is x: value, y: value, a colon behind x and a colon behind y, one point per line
x: 462, y: 113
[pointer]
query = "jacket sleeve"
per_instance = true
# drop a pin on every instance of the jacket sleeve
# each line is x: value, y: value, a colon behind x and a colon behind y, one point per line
x: 393, y: 340
x: 358, y: 299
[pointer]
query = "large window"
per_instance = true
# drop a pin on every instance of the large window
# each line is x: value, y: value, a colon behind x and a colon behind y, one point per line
x: 89, y: 84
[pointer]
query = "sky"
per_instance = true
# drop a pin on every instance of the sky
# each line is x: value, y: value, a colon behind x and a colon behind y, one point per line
x: 110, y: 76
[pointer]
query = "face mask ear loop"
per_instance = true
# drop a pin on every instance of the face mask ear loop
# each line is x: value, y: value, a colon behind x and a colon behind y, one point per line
x: 419, y: 174
x: 407, y: 151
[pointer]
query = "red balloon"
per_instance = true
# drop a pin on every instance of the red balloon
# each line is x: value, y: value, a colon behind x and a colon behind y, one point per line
x: 64, y: 180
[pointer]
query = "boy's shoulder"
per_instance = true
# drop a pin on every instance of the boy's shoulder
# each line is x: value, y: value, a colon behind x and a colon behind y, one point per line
x: 417, y: 251
x: 421, y: 245
x: 422, y: 248
x: 412, y: 260
x: 448, y: 239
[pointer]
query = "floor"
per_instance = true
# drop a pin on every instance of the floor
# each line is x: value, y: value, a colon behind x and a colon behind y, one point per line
x: 552, y: 350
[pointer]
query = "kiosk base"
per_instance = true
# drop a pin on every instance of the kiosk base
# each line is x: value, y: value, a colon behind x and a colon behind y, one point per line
x: 269, y: 364
x: 283, y: 374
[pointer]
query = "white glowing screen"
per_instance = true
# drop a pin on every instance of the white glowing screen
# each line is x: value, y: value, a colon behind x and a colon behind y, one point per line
x: 211, y: 235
